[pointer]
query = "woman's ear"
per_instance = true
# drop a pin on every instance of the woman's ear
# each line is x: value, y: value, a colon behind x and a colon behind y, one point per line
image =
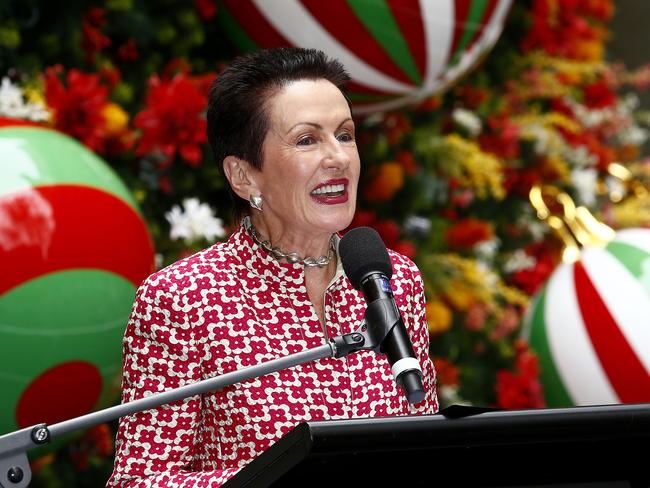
x: 240, y: 175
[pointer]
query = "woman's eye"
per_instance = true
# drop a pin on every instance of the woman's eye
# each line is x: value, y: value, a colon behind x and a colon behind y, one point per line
x: 345, y: 137
x: 306, y: 141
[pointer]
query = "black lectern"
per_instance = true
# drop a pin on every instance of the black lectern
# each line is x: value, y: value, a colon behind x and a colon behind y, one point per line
x: 598, y: 446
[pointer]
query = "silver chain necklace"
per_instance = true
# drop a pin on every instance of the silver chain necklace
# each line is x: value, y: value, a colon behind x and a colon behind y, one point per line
x: 292, y: 257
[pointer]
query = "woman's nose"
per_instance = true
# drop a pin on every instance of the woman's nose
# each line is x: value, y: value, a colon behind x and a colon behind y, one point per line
x: 336, y: 156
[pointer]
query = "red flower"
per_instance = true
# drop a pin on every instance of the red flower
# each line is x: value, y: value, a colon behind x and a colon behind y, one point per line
x: 176, y: 66
x: 520, y: 181
x: 128, y: 51
x: 429, y: 104
x: 406, y: 248
x: 110, y: 75
x: 461, y: 198
x: 207, y: 9
x: 407, y: 161
x: 562, y: 30
x: 599, y: 95
x: 78, y: 106
x: 449, y: 214
x: 101, y: 439
x: 389, y: 231
x: 603, y: 153
x: 560, y: 105
x: 396, y: 125
x: 446, y: 372
x: 501, y: 137
x: 521, y: 388
x: 465, y: 233
x: 96, y: 442
x: 94, y: 40
x: 363, y: 218
x: 531, y: 279
x: 173, y: 120
x: 598, y: 9
x: 476, y: 316
x: 203, y: 82
x: 472, y: 97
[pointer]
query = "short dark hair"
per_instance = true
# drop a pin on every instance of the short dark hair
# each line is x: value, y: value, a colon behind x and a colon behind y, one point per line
x: 237, y: 118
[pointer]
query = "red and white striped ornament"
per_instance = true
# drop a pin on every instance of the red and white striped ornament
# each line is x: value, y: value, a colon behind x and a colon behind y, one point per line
x: 590, y: 325
x: 397, y: 51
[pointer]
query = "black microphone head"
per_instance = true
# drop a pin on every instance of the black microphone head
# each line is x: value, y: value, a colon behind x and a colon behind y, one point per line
x: 363, y: 252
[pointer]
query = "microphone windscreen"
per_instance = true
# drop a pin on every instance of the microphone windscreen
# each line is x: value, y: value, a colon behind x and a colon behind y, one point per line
x: 362, y: 252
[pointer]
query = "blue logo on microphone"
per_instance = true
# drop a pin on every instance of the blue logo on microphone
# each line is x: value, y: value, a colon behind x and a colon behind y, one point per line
x: 385, y: 286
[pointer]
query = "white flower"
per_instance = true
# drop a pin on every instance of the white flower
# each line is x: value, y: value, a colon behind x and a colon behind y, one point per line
x: 629, y: 102
x: 537, y: 229
x: 12, y: 104
x: 528, y: 219
x: 592, y: 117
x: 417, y: 225
x: 518, y: 260
x: 486, y: 250
x: 468, y: 120
x: 490, y: 278
x: 584, y: 181
x: 197, y: 221
x: 541, y: 135
x: 580, y: 157
x: 633, y: 135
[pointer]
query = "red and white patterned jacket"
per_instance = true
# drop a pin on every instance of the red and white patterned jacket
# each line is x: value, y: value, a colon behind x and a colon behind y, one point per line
x: 231, y: 306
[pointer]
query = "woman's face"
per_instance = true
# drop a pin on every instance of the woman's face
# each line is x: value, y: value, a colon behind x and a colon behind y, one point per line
x: 310, y: 163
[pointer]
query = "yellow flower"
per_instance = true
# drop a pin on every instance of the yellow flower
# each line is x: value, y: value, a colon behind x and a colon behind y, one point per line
x: 438, y: 317
x: 512, y: 295
x: 460, y: 295
x: 571, y: 72
x: 116, y: 118
x: 475, y: 168
x: 549, y: 120
x: 591, y: 50
x: 555, y: 167
x: 34, y: 96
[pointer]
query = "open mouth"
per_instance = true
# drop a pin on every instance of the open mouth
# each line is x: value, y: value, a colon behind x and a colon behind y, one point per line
x: 329, y: 191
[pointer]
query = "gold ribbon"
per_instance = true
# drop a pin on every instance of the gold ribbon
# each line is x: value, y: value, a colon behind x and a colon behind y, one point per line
x: 576, y: 226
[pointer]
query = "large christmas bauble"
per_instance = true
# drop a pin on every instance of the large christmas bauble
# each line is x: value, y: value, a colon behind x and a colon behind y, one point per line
x: 590, y: 325
x: 397, y: 51
x: 73, y: 249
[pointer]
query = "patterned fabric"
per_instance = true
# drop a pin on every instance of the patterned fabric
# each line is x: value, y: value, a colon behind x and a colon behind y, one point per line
x: 232, y: 306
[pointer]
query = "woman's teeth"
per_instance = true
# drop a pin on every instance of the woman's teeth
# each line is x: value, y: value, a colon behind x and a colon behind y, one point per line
x: 327, y: 189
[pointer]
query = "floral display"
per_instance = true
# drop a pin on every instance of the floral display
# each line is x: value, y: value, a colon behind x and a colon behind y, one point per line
x: 195, y: 222
x: 14, y: 104
x: 446, y: 182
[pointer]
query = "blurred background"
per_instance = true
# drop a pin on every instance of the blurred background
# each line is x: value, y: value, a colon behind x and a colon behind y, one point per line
x: 504, y: 149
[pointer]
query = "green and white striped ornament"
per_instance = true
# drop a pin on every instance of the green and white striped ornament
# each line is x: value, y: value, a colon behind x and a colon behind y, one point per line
x: 397, y: 51
x: 590, y: 325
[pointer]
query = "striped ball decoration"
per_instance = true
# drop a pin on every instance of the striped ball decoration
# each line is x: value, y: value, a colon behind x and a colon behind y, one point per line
x: 73, y: 248
x: 590, y: 325
x: 397, y: 51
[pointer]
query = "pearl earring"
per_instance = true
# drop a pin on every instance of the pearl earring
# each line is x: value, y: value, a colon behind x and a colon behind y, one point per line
x: 256, y: 202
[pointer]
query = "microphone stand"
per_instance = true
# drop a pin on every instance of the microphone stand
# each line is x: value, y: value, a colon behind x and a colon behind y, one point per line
x: 14, y: 465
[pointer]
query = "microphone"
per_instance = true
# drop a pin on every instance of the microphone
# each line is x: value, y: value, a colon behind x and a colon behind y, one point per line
x: 367, y: 265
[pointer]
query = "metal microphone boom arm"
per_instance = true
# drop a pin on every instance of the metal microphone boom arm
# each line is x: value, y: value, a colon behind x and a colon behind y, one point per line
x: 14, y: 465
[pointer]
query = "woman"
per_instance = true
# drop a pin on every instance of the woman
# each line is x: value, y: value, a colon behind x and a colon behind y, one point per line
x: 280, y: 123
